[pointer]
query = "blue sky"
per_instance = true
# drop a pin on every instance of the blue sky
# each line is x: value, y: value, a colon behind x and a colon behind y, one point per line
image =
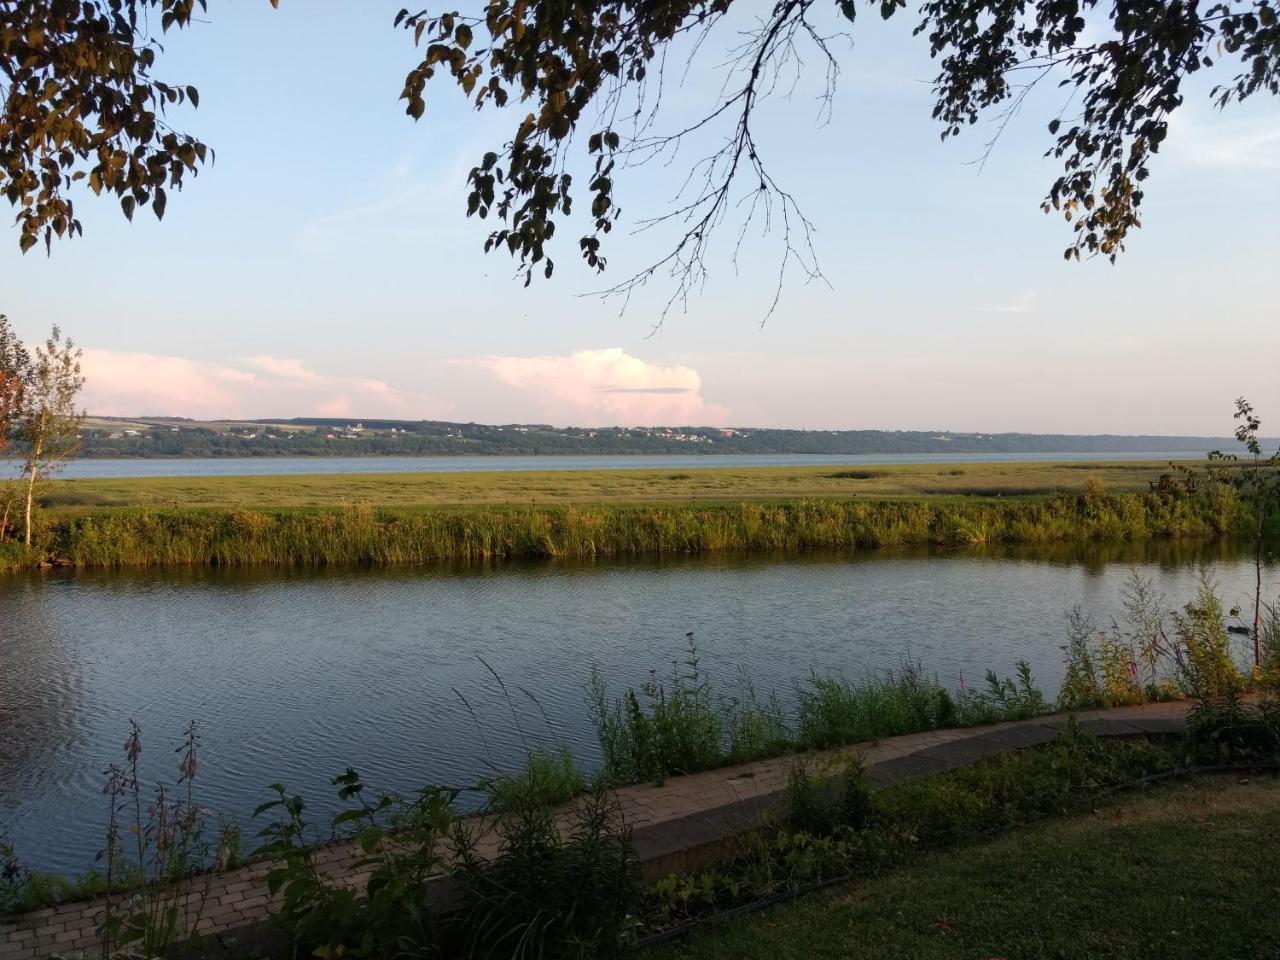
x: 324, y: 265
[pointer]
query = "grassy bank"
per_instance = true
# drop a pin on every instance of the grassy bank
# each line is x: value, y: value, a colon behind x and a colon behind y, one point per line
x: 1180, y: 872
x: 369, y: 535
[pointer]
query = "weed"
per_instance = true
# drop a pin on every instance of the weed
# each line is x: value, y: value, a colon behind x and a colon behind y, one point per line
x: 401, y: 845
x: 552, y: 777
x: 1202, y: 646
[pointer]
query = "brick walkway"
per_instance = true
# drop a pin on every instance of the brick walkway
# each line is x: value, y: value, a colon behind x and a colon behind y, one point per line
x: 672, y: 823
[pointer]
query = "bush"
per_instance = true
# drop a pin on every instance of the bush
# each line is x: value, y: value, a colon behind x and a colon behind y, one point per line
x: 330, y: 919
x: 550, y: 892
x: 1202, y: 646
x: 1229, y: 729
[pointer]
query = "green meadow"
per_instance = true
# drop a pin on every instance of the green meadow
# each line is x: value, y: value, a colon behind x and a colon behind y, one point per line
x: 383, y: 519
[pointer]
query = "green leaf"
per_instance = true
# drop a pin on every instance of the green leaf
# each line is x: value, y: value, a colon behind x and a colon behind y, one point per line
x: 127, y: 203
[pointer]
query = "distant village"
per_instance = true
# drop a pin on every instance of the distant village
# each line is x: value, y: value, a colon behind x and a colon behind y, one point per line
x: 302, y: 437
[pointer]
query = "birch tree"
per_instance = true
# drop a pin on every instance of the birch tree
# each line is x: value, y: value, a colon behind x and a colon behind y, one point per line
x: 50, y: 430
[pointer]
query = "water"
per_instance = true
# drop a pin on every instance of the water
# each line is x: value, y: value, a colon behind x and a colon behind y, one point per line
x: 295, y: 675
x: 272, y: 466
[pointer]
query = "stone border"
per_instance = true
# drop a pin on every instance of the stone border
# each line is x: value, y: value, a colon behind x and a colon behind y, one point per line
x: 676, y: 826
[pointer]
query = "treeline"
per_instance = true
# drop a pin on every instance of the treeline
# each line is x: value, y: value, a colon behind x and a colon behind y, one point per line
x: 324, y: 438
x: 362, y: 535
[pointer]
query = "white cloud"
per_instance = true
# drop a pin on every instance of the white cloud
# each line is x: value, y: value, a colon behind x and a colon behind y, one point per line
x: 134, y: 384
x: 606, y: 387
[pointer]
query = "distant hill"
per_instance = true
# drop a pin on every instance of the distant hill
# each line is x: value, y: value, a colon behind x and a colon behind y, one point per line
x: 298, y: 437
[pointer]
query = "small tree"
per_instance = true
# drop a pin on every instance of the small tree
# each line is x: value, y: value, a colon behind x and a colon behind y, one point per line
x: 50, y: 431
x: 15, y: 366
x: 1257, y: 479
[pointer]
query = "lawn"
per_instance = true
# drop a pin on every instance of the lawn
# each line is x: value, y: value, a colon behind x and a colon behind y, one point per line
x: 604, y: 486
x: 1190, y: 871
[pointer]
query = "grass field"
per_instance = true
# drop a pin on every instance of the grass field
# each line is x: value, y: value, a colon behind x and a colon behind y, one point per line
x: 604, y: 486
x: 385, y: 519
x: 1182, y: 872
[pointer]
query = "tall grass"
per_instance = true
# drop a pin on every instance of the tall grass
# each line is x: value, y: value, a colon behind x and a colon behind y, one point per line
x: 375, y: 536
x: 678, y: 724
x: 1161, y: 654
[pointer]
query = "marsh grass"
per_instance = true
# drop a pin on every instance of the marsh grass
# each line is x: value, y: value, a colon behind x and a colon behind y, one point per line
x: 361, y: 534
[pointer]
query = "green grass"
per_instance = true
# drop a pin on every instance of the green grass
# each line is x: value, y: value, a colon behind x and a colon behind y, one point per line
x: 604, y: 486
x: 1181, y: 872
x: 369, y: 534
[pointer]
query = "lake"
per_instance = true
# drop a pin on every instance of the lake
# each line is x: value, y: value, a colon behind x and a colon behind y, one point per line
x: 295, y: 675
x: 272, y: 466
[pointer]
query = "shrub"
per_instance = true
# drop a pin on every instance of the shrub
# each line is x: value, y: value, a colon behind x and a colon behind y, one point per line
x: 815, y: 803
x: 552, y: 891
x: 1202, y: 650
x: 331, y: 919
x: 1229, y: 729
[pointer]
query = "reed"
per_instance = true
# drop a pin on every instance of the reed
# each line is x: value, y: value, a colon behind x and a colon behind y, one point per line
x: 364, y: 535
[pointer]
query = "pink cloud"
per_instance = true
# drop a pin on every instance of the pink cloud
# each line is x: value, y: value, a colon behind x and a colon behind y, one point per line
x: 133, y: 384
x: 607, y: 386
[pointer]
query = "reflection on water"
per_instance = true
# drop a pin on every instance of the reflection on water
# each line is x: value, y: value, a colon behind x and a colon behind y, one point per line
x: 294, y: 675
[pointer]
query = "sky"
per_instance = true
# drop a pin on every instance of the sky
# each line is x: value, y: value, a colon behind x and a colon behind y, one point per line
x: 324, y: 265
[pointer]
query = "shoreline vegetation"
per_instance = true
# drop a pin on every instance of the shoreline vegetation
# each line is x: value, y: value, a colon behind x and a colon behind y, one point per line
x: 409, y: 519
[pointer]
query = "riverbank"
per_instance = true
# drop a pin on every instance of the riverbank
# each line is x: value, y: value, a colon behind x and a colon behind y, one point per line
x: 364, y: 534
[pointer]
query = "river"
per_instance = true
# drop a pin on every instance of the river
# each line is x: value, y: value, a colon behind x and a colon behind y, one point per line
x: 295, y: 675
x: 273, y: 466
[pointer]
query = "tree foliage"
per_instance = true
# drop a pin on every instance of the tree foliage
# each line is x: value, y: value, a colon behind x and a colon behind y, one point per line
x: 588, y: 79
x: 81, y: 103
x: 15, y: 368
x: 1122, y: 65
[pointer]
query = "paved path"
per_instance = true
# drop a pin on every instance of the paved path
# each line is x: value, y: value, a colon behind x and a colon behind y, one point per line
x: 675, y: 825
